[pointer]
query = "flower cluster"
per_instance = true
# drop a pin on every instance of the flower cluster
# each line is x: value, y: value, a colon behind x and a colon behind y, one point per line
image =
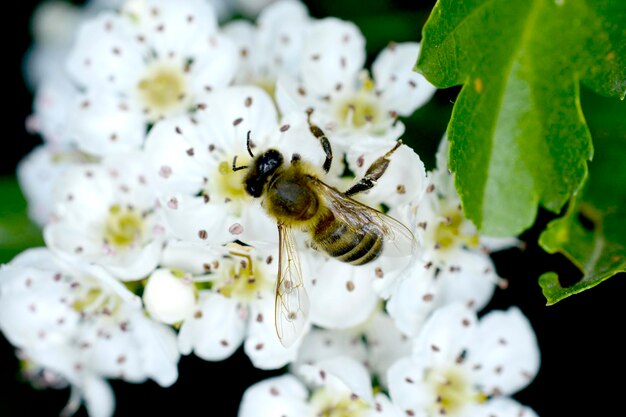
x: 161, y: 126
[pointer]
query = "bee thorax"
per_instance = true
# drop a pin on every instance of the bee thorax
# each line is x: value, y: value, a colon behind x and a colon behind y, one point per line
x: 291, y: 200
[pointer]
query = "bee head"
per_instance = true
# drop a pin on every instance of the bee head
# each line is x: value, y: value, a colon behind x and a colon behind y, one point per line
x: 264, y: 166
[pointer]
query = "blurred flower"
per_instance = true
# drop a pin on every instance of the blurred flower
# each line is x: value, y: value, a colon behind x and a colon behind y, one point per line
x: 83, y: 325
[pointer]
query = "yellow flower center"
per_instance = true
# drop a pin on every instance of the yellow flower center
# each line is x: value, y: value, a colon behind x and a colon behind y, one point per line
x: 228, y: 186
x: 449, y: 232
x: 241, y: 278
x: 332, y: 404
x: 93, y: 300
x: 453, y: 392
x: 361, y: 109
x: 162, y: 89
x: 123, y: 227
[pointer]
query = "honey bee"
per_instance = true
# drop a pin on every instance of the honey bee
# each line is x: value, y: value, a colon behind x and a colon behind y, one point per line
x: 342, y: 227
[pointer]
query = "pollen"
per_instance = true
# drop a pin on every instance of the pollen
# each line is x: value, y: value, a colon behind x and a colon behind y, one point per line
x: 162, y: 89
x: 327, y: 403
x: 452, y: 391
x: 359, y: 110
x: 241, y: 278
x: 450, y: 232
x: 123, y: 227
x: 228, y: 184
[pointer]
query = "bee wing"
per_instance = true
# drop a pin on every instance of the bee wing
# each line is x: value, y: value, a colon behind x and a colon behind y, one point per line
x: 291, y: 307
x: 398, y: 240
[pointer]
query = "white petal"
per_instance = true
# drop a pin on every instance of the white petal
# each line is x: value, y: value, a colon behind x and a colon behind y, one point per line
x: 501, y: 407
x: 262, y: 344
x: 167, y: 153
x: 182, y: 28
x: 386, y: 345
x: 282, y: 27
x: 274, y: 397
x: 168, y: 298
x: 470, y: 279
x: 333, y: 53
x: 320, y: 344
x: 413, y: 299
x: 214, y: 66
x: 52, y: 101
x: 106, y: 54
x: 406, y: 389
x: 188, y: 256
x: 342, y: 295
x: 341, y: 373
x: 102, y: 124
x: 404, y: 179
x: 158, y: 352
x: 384, y: 407
x: 506, y: 347
x: 224, y: 109
x: 404, y: 90
x: 446, y: 334
x: 99, y: 397
x: 188, y: 217
x: 37, y: 174
x: 216, y: 329
x: 243, y: 34
x: 31, y: 312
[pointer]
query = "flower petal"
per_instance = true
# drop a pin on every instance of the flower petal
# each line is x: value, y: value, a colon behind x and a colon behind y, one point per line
x: 403, y: 89
x: 333, y: 53
x: 506, y: 347
x: 342, y: 296
x: 215, y: 330
x: 278, y: 396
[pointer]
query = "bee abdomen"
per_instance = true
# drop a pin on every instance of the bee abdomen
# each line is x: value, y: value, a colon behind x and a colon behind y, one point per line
x: 366, y: 250
x: 342, y: 242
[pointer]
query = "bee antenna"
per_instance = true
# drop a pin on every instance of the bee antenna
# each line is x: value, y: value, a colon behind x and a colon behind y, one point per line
x: 238, y: 168
x: 249, y: 144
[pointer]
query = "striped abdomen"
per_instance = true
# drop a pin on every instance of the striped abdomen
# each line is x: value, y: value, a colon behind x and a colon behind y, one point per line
x: 346, y: 243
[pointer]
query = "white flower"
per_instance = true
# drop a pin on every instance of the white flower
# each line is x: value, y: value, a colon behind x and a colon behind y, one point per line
x: 377, y: 344
x: 191, y: 159
x: 83, y: 325
x: 338, y: 387
x: 461, y: 366
x: 156, y: 59
x: 37, y: 174
x: 455, y: 264
x: 53, y: 97
x: 105, y: 213
x: 59, y: 373
x: 271, y: 46
x: 235, y: 289
x: 54, y: 24
x: 345, y: 98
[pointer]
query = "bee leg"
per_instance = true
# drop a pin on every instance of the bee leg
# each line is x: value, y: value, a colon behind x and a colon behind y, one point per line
x: 373, y: 173
x: 319, y: 134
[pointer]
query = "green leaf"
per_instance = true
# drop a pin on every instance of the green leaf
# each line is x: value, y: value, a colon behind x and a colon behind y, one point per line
x: 592, y: 234
x: 17, y: 232
x: 518, y: 136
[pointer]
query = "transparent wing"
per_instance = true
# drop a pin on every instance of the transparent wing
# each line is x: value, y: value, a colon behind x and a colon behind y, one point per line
x: 398, y: 240
x: 292, y: 303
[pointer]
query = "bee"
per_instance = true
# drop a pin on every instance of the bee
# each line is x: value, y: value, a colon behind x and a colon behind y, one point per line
x: 296, y: 197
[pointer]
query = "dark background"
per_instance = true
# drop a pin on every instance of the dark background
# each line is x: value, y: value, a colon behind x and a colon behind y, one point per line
x: 582, y: 362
